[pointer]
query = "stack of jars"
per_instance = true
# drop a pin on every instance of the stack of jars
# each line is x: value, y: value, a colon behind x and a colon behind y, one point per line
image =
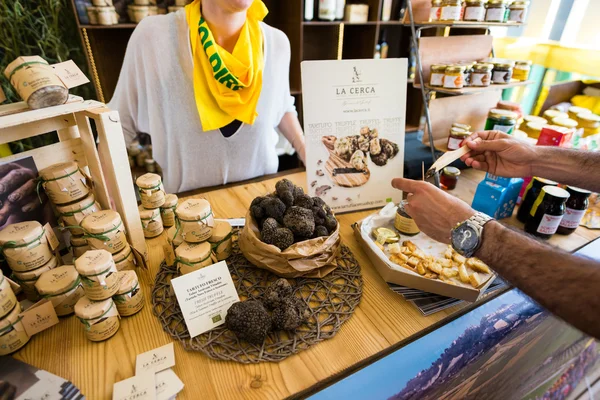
x: 496, y: 11
x: 158, y: 208
x: 478, y: 74
x: 12, y: 334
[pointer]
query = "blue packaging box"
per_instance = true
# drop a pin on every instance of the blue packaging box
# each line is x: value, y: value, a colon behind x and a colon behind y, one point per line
x: 497, y: 196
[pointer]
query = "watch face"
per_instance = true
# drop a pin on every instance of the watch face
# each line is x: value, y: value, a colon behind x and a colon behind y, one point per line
x: 465, y: 238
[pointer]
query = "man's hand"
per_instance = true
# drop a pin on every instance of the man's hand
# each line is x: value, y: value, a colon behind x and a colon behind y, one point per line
x: 434, y: 211
x: 500, y: 154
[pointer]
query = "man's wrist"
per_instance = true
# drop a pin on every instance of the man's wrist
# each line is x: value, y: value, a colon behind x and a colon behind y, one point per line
x: 542, y: 154
x: 490, y: 235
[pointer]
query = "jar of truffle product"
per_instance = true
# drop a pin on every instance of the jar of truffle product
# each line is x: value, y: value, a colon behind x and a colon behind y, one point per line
x: 98, y: 273
x: 481, y: 75
x: 404, y: 222
x: 533, y: 129
x: 152, y: 191
x: 454, y: 76
x: 589, y: 122
x: 435, y: 11
x: 100, y: 319
x: 72, y: 214
x: 468, y: 71
x: 464, y: 127
x: 36, y: 82
x: 25, y: 245
x: 547, y: 212
x: 451, y: 10
x: 474, y: 10
x: 501, y: 120
x: 496, y: 11
x: 220, y: 241
x: 167, y: 210
x: 195, y: 219
x: 503, y: 72
x: 92, y: 15
x: 518, y: 11
x: 436, y: 78
x: 151, y: 222
x: 28, y: 279
x: 565, y: 122
x: 510, y: 106
x: 576, y: 207
x: 574, y: 111
x: 531, y: 194
x: 522, y: 70
x: 129, y: 298
x: 193, y: 256
x: 551, y: 114
x: 124, y: 260
x: 174, y: 237
x: 64, y: 183
x: 449, y: 178
x: 106, y: 15
x: 7, y: 296
x: 12, y: 332
x: 534, y: 118
x: 79, y: 245
x: 456, y: 137
x: 62, y: 286
x: 105, y: 230
x: 150, y: 165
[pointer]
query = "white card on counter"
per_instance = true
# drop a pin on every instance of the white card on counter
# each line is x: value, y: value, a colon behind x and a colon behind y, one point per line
x: 139, y: 387
x: 168, y: 385
x: 155, y: 360
x: 204, y: 297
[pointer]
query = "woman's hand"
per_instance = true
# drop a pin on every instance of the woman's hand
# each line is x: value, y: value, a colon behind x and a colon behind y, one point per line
x: 500, y: 154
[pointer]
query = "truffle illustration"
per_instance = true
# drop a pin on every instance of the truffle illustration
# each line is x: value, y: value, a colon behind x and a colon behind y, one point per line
x: 300, y: 221
x: 321, y: 230
x: 304, y: 201
x: 345, y: 146
x: 276, y: 235
x: 276, y: 293
x: 249, y: 320
x: 389, y: 148
x: 285, y: 190
x: 363, y: 143
x: 375, y: 147
x: 290, y: 314
x: 322, y: 190
x: 380, y: 159
x: 320, y: 172
x: 359, y: 160
x: 313, y: 183
x: 365, y: 131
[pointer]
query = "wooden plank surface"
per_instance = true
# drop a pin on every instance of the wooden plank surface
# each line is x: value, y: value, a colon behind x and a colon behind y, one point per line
x: 28, y: 116
x: 382, y: 319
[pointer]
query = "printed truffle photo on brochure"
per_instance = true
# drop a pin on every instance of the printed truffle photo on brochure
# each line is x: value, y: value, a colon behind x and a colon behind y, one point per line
x: 354, y: 119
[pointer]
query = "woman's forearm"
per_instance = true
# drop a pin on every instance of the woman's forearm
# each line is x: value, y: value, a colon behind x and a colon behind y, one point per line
x: 292, y: 131
x: 570, y: 167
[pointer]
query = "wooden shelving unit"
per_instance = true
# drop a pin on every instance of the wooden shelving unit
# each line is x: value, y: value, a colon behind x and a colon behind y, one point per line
x: 471, y: 90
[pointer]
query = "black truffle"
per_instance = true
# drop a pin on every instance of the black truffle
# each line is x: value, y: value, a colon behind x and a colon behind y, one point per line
x: 380, y: 159
x: 249, y: 320
x: 330, y: 223
x: 276, y: 235
x: 285, y: 190
x: 389, y: 148
x: 320, y: 230
x: 290, y: 314
x: 304, y: 201
x: 276, y: 293
x: 319, y: 202
x: 298, y: 191
x: 274, y: 208
x: 319, y: 215
x: 300, y: 221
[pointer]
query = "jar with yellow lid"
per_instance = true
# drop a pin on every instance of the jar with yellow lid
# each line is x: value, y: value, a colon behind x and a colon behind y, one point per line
x: 7, y: 296
x: 151, y: 222
x: 534, y: 118
x: 152, y: 191
x: 105, y: 230
x: 28, y: 279
x: 62, y: 286
x: 12, y: 332
x: 462, y: 126
x: 167, y: 210
x: 522, y: 70
x: 496, y: 11
x: 25, y: 246
x: 220, y: 241
x: 98, y: 273
x: 454, y: 76
x: 436, y: 10
x: 551, y: 114
x: 456, y: 137
x: 79, y: 245
x: 129, y: 298
x: 474, y: 10
x: 565, y: 122
x: 518, y: 11
x: 449, y: 178
x: 124, y: 259
x: 533, y: 129
x: 195, y: 220
x: 451, y: 10
x: 64, y: 183
x: 481, y: 75
x: 73, y: 213
x: 193, y: 256
x: 503, y: 72
x: 574, y: 111
x: 501, y: 120
x: 100, y: 319
x: 589, y: 122
x: 436, y: 78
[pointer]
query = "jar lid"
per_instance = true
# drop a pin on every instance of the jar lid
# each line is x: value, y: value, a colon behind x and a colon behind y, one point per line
x: 438, y: 67
x: 22, y: 60
x: 536, y: 126
x: 454, y: 131
x: 78, y: 241
x: 149, y: 160
x: 436, y: 2
x: 77, y: 206
x: 148, y: 214
x: 498, y: 113
x: 89, y: 309
x: 551, y: 114
x: 578, y: 191
x: 523, y: 63
x: 175, y: 239
x: 193, y: 252
x: 451, y: 171
x: 35, y: 273
x: 588, y: 117
x: 508, y: 105
x: 148, y: 181
x: 465, y: 127
x: 467, y: 64
x: 579, y: 110
x: 555, y: 191
x: 519, y: 3
x: 483, y: 67
x: 21, y: 232
x: 220, y: 231
x: 504, y: 64
x: 127, y: 281
x: 60, y: 170
x: 193, y: 210
x: 497, y: 2
x: 546, y: 182
x: 456, y: 68
x: 535, y: 118
x: 170, y: 201
x: 101, y: 221
x: 105, y: 9
x: 452, y: 2
x: 566, y: 122
x: 122, y: 254
x: 11, y: 318
x: 57, y: 281
x: 94, y: 262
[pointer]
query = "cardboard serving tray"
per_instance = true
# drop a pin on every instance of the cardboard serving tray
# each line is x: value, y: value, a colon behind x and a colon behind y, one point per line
x: 415, y: 281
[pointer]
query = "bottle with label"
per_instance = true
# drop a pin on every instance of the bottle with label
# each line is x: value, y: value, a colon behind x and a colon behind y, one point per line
x: 386, y: 10
x: 531, y: 193
x: 340, y: 5
x: 383, y: 46
x: 547, y: 212
x: 309, y: 10
x: 404, y: 222
x: 576, y: 207
x: 327, y: 10
x: 501, y: 120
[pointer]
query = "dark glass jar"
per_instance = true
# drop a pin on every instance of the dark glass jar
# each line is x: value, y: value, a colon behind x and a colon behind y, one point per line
x: 576, y: 207
x: 449, y: 177
x: 531, y: 193
x: 547, y: 212
x: 404, y: 222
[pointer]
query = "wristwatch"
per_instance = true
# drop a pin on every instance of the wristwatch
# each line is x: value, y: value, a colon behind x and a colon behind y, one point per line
x: 466, y: 236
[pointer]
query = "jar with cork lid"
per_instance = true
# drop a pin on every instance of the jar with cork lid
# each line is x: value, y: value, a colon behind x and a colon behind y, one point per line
x: 105, y: 230
x: 98, y: 273
x: 25, y: 245
x: 62, y: 286
x: 7, y: 296
x: 193, y: 256
x: 100, y: 319
x: 28, y: 279
x: 73, y: 213
x: 79, y: 245
x: 167, y: 210
x: 152, y: 191
x: 220, y: 240
x: 12, y: 332
x: 151, y: 222
x: 64, y: 183
x: 195, y: 220
x: 124, y: 259
x: 129, y: 298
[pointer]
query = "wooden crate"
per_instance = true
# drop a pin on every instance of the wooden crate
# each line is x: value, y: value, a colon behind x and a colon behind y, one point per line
x: 106, y: 163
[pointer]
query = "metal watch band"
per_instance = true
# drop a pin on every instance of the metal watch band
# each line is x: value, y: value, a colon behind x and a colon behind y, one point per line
x: 480, y: 219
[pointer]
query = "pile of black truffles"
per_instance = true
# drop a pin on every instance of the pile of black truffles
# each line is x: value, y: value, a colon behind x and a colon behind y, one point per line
x: 290, y: 216
x: 250, y: 320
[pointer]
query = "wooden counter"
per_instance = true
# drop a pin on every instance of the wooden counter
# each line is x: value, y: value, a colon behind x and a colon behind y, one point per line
x: 382, y: 320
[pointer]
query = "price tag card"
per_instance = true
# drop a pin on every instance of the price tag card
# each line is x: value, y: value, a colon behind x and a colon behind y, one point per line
x: 168, y: 385
x: 155, y: 360
x: 204, y: 297
x: 70, y: 74
x: 139, y: 387
x: 39, y: 317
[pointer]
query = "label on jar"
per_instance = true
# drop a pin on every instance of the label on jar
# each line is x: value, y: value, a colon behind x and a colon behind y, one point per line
x: 549, y: 224
x: 572, y: 218
x: 453, y: 82
x: 152, y: 200
x: 13, y: 340
x: 480, y: 78
x: 503, y: 128
x: 436, y: 79
x: 495, y: 14
x: 116, y: 242
x: 517, y: 15
x: 406, y: 225
x: 106, y: 328
x: 476, y: 13
x: 500, y: 77
x: 451, y: 13
x: 435, y: 13
x: 129, y: 303
x: 28, y: 80
x: 102, y: 286
x: 453, y: 143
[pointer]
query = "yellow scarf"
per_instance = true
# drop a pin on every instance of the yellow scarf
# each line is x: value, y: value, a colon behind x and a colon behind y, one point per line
x: 227, y: 86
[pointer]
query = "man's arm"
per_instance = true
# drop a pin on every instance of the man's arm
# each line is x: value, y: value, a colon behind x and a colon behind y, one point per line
x: 570, y: 167
x: 291, y: 129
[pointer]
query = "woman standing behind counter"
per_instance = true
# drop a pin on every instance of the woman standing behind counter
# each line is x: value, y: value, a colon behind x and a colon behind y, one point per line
x: 209, y: 83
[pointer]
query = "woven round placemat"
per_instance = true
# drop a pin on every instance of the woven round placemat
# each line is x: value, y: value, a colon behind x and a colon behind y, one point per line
x: 331, y: 300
